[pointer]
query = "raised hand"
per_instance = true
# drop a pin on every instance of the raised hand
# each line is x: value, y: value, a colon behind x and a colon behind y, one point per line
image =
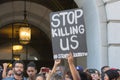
x: 57, y: 61
x: 70, y: 58
x: 5, y: 65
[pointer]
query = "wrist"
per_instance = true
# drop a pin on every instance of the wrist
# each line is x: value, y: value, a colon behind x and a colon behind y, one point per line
x: 70, y: 62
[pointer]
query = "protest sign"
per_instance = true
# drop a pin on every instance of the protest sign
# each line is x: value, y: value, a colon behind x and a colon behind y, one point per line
x: 68, y: 33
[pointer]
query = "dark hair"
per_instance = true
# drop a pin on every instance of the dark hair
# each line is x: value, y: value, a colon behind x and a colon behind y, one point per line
x: 112, y: 74
x: 18, y: 61
x: 31, y: 64
x: 103, y: 68
x: 69, y: 74
x: 85, y: 76
x: 41, y: 75
x: 90, y: 71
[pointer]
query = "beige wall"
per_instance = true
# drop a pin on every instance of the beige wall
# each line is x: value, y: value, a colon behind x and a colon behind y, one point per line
x: 102, y: 19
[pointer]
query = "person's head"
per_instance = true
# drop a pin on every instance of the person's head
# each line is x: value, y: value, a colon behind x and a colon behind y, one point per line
x: 10, y: 73
x: 111, y: 74
x: 105, y: 68
x: 68, y: 75
x: 40, y: 77
x: 31, y: 70
x: 59, y: 74
x: 95, y: 74
x: 85, y: 76
x: 57, y: 77
x: 18, y: 68
x: 79, y: 68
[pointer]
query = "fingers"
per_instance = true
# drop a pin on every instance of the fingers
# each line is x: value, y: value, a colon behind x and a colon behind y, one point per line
x: 70, y: 55
x: 57, y: 61
x: 5, y: 64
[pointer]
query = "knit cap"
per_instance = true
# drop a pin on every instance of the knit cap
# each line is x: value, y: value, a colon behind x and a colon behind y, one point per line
x: 112, y: 74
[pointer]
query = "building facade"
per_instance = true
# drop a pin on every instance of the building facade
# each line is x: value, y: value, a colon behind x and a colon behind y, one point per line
x: 102, y: 21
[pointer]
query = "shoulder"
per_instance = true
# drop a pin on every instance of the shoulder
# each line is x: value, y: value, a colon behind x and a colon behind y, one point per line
x: 10, y: 78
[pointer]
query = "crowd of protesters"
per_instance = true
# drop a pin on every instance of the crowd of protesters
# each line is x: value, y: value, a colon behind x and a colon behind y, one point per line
x: 58, y: 72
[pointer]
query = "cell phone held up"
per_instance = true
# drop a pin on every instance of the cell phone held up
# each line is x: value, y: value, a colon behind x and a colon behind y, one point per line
x: 45, y: 70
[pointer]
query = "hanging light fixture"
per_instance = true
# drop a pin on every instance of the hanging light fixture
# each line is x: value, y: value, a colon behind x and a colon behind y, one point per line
x: 17, y: 47
x: 25, y: 30
x: 25, y: 35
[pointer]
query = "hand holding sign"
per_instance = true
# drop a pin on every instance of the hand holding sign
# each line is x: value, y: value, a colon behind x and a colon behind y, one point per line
x: 70, y: 58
